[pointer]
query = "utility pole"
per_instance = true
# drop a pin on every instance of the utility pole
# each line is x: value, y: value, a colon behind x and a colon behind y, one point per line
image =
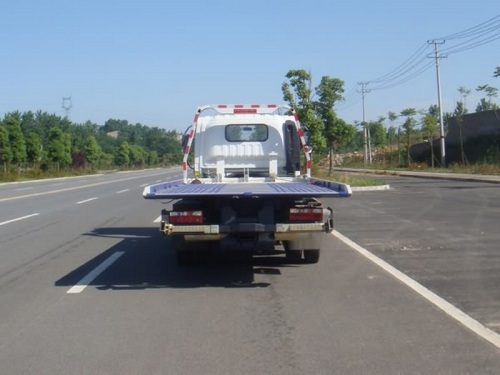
x: 367, y: 141
x: 437, y: 57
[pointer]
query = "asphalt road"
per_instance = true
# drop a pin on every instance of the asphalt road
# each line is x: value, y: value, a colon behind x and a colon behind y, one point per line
x: 88, y: 286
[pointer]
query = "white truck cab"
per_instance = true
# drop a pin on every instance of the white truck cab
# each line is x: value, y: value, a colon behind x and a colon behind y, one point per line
x: 238, y: 140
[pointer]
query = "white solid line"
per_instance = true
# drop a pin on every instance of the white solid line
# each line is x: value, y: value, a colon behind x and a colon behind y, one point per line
x: 19, y: 218
x: 83, y: 283
x: 122, y: 191
x: 87, y: 200
x: 157, y: 220
x: 144, y: 185
x: 439, y: 302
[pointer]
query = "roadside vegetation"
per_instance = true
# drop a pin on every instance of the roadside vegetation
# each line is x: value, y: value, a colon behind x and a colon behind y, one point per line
x: 40, y: 145
x: 388, y: 142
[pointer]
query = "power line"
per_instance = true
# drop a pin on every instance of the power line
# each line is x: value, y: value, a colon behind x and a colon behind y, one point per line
x: 472, y: 44
x: 401, y: 69
x: 405, y: 79
x: 492, y: 23
x: 415, y: 65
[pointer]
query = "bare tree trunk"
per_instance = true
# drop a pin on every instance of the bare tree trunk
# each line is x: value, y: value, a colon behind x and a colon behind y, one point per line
x: 432, y: 151
x: 330, y: 159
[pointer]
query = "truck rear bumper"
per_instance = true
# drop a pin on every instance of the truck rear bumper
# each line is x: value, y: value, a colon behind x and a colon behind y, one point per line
x: 282, y: 231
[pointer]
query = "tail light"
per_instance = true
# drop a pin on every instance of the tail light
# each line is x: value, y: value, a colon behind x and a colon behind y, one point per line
x: 306, y: 214
x: 186, y: 217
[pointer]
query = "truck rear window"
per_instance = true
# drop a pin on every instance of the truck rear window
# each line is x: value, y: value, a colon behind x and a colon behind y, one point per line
x: 246, y: 133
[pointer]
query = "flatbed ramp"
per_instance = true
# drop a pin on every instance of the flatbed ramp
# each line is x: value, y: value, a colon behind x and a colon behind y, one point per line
x: 311, y: 188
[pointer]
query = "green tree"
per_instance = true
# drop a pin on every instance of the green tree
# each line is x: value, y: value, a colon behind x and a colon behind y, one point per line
x: 5, y: 152
x: 16, y: 139
x: 464, y: 92
x: 391, y: 132
x: 33, y: 148
x: 59, y: 148
x: 460, y: 112
x: 122, y: 155
x: 137, y: 156
x: 337, y: 131
x: 490, y: 92
x: 485, y: 105
x: 409, y: 128
x: 497, y: 72
x: 92, y: 152
x: 152, y: 158
x: 300, y: 81
x: 378, y: 132
x: 430, y: 129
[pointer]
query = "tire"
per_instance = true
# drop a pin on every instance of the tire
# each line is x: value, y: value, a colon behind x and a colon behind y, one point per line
x: 293, y: 256
x: 311, y: 256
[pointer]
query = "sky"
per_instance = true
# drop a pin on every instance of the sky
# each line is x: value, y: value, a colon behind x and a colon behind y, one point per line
x: 154, y: 62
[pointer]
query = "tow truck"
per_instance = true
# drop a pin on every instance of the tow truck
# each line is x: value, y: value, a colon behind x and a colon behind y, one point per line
x: 250, y: 188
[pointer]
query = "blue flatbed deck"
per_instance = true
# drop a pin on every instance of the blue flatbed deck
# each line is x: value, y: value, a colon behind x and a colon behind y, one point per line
x: 312, y: 188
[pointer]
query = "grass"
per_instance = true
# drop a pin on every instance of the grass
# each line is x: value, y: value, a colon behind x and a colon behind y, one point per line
x: 346, y: 178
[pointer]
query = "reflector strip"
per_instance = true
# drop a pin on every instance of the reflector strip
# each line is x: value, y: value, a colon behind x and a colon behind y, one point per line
x: 244, y: 110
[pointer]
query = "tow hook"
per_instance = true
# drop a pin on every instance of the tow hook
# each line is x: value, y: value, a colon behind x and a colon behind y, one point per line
x: 329, y: 222
x: 165, y: 228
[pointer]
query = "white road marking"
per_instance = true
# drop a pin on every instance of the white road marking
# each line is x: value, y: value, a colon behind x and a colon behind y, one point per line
x: 157, y: 220
x: 91, y: 276
x: 448, y: 308
x: 122, y: 191
x: 71, y: 188
x: 87, y: 200
x: 19, y: 218
x: 144, y: 185
x: 159, y: 180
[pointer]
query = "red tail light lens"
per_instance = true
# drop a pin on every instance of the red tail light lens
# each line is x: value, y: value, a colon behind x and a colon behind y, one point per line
x: 306, y: 214
x: 186, y: 217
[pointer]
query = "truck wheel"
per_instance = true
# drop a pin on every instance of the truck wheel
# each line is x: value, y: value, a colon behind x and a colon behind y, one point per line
x: 293, y: 256
x: 311, y: 256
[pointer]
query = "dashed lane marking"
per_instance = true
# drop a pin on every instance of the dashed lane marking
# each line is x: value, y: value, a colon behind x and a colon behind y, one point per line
x: 87, y: 200
x: 17, y: 219
x: 92, y: 275
x: 122, y: 191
